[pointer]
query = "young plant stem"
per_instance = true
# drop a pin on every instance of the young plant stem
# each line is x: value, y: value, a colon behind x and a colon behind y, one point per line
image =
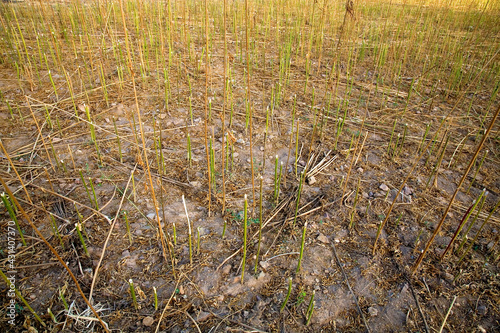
x: 155, y: 295
x: 261, y: 180
x: 297, y: 147
x: 206, y: 108
x: 302, y: 176
x: 12, y: 215
x: 310, y: 308
x: 189, y: 232
x: 78, y: 228
x: 249, y: 107
x: 287, y: 294
x: 291, y: 138
x: 462, y: 223
x: 479, y: 231
x: 245, y: 210
x: 477, y: 170
x: 302, y: 243
x: 390, y: 140
x: 464, y: 237
x: 175, y: 233
x: 353, y: 211
x: 132, y: 293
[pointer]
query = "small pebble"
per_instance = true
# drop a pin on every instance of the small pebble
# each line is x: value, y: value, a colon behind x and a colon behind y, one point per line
x: 482, y: 310
x: 372, y: 311
x: 148, y: 321
x: 323, y: 239
x: 264, y: 264
x: 384, y: 187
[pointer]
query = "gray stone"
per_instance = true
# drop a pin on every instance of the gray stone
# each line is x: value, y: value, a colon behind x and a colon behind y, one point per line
x: 384, y: 187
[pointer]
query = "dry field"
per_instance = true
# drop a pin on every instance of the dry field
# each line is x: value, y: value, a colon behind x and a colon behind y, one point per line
x: 250, y: 166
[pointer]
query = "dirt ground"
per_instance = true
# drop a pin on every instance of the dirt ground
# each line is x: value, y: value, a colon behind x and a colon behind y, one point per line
x: 356, y: 287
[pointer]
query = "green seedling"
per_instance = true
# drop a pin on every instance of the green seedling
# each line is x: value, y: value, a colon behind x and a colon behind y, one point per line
x: 302, y: 176
x: 244, y: 239
x: 78, y: 228
x: 261, y: 180
x: 94, y: 194
x: 175, y: 233
x: 63, y: 299
x: 353, y: 210
x: 479, y: 231
x: 463, y: 222
x: 55, y: 230
x: 275, y: 178
x: 85, y: 186
x: 310, y: 308
x: 224, y: 229
x: 52, y: 316
x: 132, y: 294
x: 12, y: 215
x: 190, y: 240
x: 477, y: 170
x: 287, y: 294
x: 302, y: 243
x: 155, y: 294
x: 464, y: 237
x: 392, y: 135
x: 189, y: 156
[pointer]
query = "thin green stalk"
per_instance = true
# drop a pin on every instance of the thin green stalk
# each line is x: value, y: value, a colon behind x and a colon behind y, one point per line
x: 464, y: 237
x: 132, y: 293
x: 12, y: 215
x: 287, y: 294
x: 310, y: 308
x: 245, y: 209
x: 189, y: 232
x: 353, y: 210
x: 55, y: 230
x: 479, y: 231
x: 224, y: 229
x: 296, y: 147
x: 463, y: 222
x: 189, y: 149
x: 302, y: 175
x: 78, y: 228
x: 260, y: 223
x: 302, y: 243
x: 402, y: 140
x: 392, y: 134
x: 93, y: 192
x: 175, y: 233
x: 477, y: 170
x: 86, y: 187
x: 155, y: 298
x: 275, y: 177
x: 63, y: 299
x: 118, y: 141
